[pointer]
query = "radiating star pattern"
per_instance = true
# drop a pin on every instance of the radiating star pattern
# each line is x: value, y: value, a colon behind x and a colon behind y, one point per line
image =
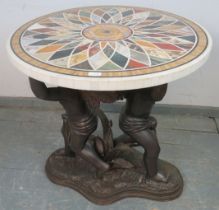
x: 108, y: 39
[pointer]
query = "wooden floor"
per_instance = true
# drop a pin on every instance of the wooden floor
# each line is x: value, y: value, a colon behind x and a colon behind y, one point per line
x: 28, y: 134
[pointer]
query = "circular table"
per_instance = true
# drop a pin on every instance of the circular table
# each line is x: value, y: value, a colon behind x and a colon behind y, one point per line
x: 103, y: 54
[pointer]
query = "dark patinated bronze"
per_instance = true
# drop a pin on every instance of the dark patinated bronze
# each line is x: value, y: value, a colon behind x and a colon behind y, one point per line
x: 106, y: 169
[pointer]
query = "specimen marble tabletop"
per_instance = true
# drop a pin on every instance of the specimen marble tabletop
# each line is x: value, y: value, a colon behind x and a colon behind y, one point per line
x: 108, y: 48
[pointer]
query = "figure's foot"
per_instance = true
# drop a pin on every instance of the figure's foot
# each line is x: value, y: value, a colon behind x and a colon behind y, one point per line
x: 159, y: 177
x: 117, y: 164
x: 100, y: 172
x: 69, y: 153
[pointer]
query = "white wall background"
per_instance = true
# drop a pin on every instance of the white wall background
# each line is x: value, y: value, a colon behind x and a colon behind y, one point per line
x: 200, y: 88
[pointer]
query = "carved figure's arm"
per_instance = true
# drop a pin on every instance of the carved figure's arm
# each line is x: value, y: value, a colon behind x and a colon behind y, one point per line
x: 158, y: 92
x: 41, y: 91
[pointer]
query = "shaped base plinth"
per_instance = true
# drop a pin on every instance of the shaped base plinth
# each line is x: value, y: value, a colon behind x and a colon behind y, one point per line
x: 115, y: 184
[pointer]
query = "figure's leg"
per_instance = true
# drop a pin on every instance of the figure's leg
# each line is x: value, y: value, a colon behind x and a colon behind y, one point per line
x: 78, y: 123
x: 82, y: 123
x: 137, y: 123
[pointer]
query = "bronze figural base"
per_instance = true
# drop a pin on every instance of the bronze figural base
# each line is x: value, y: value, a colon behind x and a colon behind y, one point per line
x: 105, y: 170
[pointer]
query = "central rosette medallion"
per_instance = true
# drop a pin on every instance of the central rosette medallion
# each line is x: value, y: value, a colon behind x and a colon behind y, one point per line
x: 107, y: 32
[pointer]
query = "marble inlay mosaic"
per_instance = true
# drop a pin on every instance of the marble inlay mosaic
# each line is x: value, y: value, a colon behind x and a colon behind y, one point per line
x: 108, y: 39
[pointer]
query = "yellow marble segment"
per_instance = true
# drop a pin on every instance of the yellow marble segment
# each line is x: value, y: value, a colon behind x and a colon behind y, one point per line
x: 145, y: 44
x: 78, y: 58
x: 49, y: 48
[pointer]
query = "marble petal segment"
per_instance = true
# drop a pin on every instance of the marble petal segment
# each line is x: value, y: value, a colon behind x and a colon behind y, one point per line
x: 98, y: 60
